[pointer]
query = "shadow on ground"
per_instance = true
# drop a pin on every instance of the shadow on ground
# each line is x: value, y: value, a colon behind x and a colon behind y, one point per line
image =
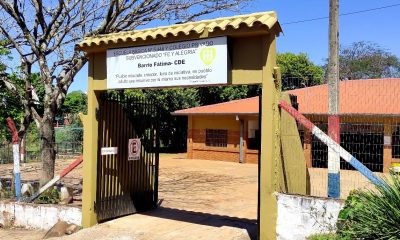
x: 205, y: 219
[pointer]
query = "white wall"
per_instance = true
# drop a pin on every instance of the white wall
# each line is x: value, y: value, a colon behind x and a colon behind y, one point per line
x: 302, y: 216
x: 37, y: 216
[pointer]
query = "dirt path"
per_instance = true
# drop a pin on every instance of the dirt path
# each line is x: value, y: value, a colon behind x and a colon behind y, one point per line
x: 200, y: 199
x: 21, y: 234
x: 221, y: 188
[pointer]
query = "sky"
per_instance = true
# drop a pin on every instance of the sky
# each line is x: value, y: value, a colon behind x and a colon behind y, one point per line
x: 381, y: 26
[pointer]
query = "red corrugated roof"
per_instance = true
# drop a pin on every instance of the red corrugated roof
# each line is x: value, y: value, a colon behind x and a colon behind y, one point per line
x: 370, y: 96
x: 235, y: 107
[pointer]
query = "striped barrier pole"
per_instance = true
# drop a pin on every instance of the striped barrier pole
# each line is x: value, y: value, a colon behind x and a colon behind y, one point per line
x: 16, y: 169
x: 331, y: 143
x: 56, y: 178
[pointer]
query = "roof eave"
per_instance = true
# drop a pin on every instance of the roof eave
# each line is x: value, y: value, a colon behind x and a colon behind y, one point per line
x: 215, y: 114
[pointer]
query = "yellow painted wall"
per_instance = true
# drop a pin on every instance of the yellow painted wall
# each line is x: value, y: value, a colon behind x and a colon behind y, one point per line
x: 215, y: 122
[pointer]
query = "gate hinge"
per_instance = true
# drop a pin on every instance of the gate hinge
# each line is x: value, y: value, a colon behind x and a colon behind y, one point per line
x: 97, y: 114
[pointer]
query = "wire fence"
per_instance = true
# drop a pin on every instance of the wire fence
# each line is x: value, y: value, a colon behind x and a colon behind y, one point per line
x: 369, y: 130
x: 68, y: 144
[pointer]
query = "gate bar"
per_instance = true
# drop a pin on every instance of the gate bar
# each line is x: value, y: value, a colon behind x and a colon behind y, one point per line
x: 331, y: 144
x: 64, y: 172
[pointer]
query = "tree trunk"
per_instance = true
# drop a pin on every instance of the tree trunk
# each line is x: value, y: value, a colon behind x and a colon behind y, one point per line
x: 47, y: 136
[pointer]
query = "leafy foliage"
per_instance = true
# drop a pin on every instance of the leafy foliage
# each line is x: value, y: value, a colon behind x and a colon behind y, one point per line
x: 298, y: 71
x: 363, y: 60
x: 372, y: 214
x: 75, y: 102
x: 50, y: 196
x: 326, y: 236
x: 172, y: 129
x: 212, y: 95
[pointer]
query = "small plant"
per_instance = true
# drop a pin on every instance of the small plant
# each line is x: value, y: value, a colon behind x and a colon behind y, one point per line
x: 50, y: 196
x: 6, y: 194
x: 372, y: 214
x: 325, y: 236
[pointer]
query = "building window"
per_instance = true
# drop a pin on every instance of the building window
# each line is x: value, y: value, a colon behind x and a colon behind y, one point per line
x: 396, y: 143
x: 216, y: 137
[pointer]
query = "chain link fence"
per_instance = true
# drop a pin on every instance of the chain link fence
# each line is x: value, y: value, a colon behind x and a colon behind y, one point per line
x: 68, y: 144
x: 369, y: 129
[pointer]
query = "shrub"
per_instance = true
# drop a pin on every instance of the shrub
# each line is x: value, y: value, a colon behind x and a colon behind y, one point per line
x: 325, y: 236
x: 50, y: 196
x: 372, y: 214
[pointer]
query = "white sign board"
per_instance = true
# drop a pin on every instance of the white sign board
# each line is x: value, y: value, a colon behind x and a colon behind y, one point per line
x: 134, y: 147
x: 109, y: 150
x: 189, y: 63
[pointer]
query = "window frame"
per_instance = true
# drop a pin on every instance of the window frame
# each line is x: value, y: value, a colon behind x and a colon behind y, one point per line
x: 216, y: 138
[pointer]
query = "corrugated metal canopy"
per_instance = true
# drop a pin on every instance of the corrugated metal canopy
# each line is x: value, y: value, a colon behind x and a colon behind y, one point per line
x: 266, y: 19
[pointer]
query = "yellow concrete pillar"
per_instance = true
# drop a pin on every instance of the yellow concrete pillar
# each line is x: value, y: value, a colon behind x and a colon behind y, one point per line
x: 387, y: 147
x: 270, y: 144
x: 90, y: 137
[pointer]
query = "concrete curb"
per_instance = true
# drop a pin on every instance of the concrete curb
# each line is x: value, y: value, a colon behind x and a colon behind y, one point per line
x: 37, y: 216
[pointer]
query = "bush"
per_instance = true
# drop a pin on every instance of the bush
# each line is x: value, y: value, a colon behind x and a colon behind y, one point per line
x: 325, y: 236
x: 50, y: 196
x: 372, y: 214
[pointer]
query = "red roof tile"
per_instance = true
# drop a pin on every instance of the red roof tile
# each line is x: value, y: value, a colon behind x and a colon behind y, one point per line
x: 235, y: 107
x: 369, y: 96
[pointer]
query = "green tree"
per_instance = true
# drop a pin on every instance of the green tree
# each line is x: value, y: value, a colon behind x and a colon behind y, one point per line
x: 212, y: 95
x: 75, y: 102
x: 9, y: 104
x: 298, y: 71
x: 363, y: 60
x: 43, y: 35
x: 173, y: 130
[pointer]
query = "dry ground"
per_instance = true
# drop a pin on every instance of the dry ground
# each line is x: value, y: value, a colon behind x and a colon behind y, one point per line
x: 30, y: 173
x: 221, y: 188
x: 199, y: 200
x: 21, y: 234
x: 197, y: 196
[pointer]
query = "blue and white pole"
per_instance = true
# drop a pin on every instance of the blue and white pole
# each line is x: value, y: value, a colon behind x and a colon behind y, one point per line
x: 17, y: 174
x: 334, y: 157
x: 333, y: 145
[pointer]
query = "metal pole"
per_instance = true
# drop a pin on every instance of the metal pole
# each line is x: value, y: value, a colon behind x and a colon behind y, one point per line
x: 333, y: 101
x: 241, y: 154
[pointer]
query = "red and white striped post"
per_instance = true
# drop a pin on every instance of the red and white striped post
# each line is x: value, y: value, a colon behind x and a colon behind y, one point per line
x: 15, y: 143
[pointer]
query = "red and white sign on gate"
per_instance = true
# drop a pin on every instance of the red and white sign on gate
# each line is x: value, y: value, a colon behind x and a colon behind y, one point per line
x: 134, y: 147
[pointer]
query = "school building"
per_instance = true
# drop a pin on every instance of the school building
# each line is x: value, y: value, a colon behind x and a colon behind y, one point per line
x: 369, y: 115
x: 226, y: 131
